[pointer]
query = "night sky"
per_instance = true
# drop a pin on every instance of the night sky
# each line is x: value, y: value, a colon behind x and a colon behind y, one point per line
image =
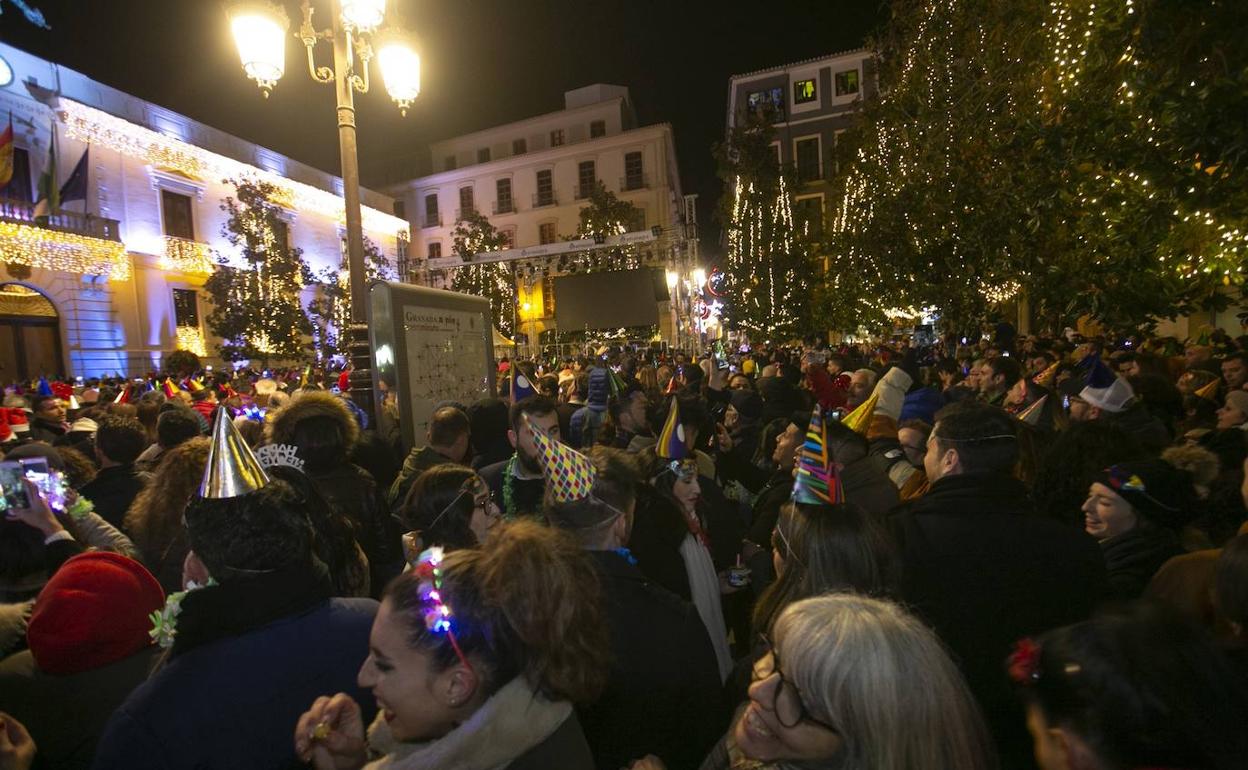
x: 484, y: 63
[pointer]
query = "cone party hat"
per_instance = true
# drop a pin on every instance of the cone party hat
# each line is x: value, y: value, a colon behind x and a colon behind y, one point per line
x: 569, y: 474
x: 1031, y: 414
x: 1209, y: 391
x: 859, y: 420
x: 232, y: 470
x: 671, y: 443
x: 1046, y: 378
x: 816, y: 480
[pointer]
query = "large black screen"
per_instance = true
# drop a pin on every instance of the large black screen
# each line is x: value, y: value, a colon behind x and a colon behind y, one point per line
x: 608, y: 300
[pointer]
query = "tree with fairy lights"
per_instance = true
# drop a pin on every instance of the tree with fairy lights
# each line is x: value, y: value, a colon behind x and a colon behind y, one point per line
x: 330, y: 311
x: 1080, y: 154
x: 495, y: 281
x: 603, y: 216
x: 257, y: 311
x: 766, y: 268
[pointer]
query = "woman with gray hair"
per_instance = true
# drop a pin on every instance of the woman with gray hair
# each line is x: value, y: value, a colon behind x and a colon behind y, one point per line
x: 853, y: 683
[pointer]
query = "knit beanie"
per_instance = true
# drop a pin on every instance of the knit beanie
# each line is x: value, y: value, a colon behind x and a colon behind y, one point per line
x: 93, y: 612
x: 1157, y: 490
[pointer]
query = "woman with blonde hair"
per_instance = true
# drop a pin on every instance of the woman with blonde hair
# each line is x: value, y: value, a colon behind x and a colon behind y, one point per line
x: 853, y: 683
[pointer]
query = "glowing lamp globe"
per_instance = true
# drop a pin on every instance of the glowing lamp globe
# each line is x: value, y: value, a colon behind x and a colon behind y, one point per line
x: 672, y: 278
x: 259, y: 30
x: 400, y: 69
x: 363, y: 15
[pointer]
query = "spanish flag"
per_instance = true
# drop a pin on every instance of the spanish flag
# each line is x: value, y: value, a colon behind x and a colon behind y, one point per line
x: 6, y: 154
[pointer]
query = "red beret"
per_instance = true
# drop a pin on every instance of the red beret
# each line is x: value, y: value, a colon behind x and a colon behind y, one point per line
x: 93, y: 612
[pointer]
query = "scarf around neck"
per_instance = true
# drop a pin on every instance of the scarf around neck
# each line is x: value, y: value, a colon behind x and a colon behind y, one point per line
x: 512, y: 721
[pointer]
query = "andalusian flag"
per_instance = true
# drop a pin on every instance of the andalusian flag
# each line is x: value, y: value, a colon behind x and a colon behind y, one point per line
x: 6, y: 154
x: 49, y: 191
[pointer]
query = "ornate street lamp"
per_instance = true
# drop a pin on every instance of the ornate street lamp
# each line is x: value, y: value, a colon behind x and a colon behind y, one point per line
x: 259, y: 29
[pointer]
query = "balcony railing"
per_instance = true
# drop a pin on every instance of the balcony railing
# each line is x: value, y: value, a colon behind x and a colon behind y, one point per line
x: 634, y: 182
x: 504, y: 207
x: 464, y: 212
x: 431, y: 221
x: 544, y: 199
x: 63, y: 221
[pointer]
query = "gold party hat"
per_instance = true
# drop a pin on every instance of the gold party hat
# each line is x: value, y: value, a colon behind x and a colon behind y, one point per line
x: 1209, y: 391
x: 1046, y: 378
x: 233, y: 470
x: 1031, y: 415
x: 859, y: 420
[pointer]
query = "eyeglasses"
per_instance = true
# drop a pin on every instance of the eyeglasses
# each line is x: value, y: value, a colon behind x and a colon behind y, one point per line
x: 786, y: 699
x: 482, y: 496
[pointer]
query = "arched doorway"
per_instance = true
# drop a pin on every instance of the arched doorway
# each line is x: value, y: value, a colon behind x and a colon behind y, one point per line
x: 30, y: 335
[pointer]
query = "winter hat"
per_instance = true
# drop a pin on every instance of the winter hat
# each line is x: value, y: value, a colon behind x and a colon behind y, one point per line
x: 599, y: 389
x: 83, y: 425
x: 19, y: 424
x: 93, y: 612
x: 1157, y: 490
x: 747, y: 403
x: 1238, y: 399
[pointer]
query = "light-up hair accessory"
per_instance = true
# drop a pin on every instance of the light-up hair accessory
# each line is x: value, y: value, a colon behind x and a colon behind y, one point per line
x: 437, y: 615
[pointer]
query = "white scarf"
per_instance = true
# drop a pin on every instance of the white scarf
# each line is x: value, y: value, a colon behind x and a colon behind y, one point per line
x: 704, y: 588
x: 512, y: 721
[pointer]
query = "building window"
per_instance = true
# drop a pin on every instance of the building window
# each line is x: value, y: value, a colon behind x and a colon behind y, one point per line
x: 556, y: 138
x: 545, y: 189
x: 519, y: 146
x: 767, y: 99
x: 637, y: 221
x: 808, y: 163
x: 548, y: 296
x: 804, y: 92
x: 847, y: 82
x: 432, y: 218
x: 505, y: 205
x: 465, y: 202
x: 435, y: 249
x: 509, y: 237
x: 586, y: 178
x: 449, y: 164
x: 400, y: 209
x: 483, y: 155
x: 775, y: 148
x: 634, y: 174
x: 597, y: 128
x: 186, y: 307
x: 176, y: 214
x: 19, y: 188
x: 281, y: 236
x: 546, y: 233
x: 810, y: 214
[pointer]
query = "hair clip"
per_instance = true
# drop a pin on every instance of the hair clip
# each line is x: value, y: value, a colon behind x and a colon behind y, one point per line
x: 271, y: 455
x: 1024, y: 662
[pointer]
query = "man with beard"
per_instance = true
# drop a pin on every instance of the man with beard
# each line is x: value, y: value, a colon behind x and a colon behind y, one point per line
x: 517, y: 484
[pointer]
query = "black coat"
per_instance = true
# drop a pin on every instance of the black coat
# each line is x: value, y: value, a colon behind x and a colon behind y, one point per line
x: 565, y: 748
x: 66, y: 714
x: 983, y: 570
x: 660, y: 698
x: 658, y: 531
x: 112, y: 490
x: 1132, y: 558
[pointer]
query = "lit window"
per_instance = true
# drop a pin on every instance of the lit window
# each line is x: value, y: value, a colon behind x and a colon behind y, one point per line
x: 804, y: 92
x: 847, y: 82
x: 556, y: 137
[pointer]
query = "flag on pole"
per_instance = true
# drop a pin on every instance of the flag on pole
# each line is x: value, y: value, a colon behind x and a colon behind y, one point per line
x: 49, y: 193
x: 75, y: 188
x: 6, y: 154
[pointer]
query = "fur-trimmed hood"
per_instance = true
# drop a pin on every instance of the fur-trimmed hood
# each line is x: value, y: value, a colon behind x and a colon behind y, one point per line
x: 308, y: 405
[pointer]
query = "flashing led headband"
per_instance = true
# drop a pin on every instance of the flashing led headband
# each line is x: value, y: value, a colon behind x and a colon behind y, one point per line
x: 253, y: 412
x: 437, y: 614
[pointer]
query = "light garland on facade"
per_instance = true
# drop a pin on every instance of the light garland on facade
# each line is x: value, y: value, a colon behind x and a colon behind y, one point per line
x: 87, y: 124
x: 55, y: 250
x: 191, y: 339
x: 187, y: 256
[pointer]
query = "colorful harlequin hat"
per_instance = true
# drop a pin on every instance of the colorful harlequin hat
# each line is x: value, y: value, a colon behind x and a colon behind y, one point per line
x: 569, y: 474
x: 232, y: 470
x: 671, y: 444
x: 816, y: 480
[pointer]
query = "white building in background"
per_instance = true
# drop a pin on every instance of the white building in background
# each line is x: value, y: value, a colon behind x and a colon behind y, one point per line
x: 530, y: 178
x: 112, y: 283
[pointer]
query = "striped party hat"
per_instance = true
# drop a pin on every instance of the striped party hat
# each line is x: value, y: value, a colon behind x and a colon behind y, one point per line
x: 816, y: 481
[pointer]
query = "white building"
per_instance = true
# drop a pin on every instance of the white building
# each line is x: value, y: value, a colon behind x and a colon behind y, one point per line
x: 530, y: 179
x: 111, y: 284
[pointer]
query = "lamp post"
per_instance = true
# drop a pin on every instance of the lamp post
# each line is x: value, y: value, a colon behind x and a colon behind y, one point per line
x: 259, y: 28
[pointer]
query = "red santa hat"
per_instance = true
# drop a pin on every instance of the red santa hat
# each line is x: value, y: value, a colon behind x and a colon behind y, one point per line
x: 18, y: 423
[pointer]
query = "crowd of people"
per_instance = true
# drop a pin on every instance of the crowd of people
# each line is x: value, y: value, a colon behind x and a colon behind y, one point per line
x: 993, y: 552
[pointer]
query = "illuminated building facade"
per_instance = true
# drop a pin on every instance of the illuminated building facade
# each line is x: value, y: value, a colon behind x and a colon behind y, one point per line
x: 112, y: 283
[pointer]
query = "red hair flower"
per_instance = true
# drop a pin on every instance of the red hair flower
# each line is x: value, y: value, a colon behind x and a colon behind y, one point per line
x: 1024, y: 661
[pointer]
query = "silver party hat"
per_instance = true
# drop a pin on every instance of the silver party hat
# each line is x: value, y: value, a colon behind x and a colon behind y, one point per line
x: 233, y: 470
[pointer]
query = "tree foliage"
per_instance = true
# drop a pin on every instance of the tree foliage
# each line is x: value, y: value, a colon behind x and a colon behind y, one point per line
x: 474, y: 234
x: 330, y: 310
x: 257, y: 311
x: 767, y: 271
x: 1084, y: 154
